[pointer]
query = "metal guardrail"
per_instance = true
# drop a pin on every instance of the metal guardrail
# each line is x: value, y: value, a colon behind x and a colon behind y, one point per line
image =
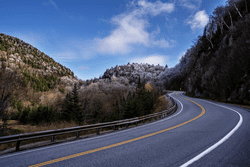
x: 27, y: 136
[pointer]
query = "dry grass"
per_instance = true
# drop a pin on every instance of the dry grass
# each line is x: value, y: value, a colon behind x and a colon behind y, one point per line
x: 16, y: 128
x: 243, y: 106
x: 148, y: 87
x: 15, y: 125
x: 161, y: 104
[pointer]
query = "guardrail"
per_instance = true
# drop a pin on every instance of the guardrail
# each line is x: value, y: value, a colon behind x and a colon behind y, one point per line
x: 27, y: 136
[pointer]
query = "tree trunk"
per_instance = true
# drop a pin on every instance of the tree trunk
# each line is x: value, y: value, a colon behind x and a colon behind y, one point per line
x: 224, y: 22
x: 230, y: 19
x: 221, y: 27
x: 238, y: 10
x: 210, y: 40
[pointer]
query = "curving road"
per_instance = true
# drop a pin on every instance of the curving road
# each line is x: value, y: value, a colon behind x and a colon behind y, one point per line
x: 200, y: 133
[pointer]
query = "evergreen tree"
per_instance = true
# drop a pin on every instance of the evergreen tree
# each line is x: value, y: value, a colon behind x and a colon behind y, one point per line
x: 67, y: 108
x: 139, y: 83
x: 71, y: 109
x: 78, y: 114
x: 25, y: 116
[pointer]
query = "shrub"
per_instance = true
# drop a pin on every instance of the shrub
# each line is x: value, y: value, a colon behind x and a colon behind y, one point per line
x: 38, y: 115
x: 61, y: 90
x: 24, y: 117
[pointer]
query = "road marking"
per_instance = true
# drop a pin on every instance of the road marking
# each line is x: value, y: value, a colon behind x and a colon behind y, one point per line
x: 121, y: 143
x: 219, y: 142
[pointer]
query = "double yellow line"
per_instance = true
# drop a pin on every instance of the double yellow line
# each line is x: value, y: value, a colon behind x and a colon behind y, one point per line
x: 124, y: 142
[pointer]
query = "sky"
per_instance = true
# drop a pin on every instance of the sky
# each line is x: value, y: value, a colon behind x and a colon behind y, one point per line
x: 90, y: 36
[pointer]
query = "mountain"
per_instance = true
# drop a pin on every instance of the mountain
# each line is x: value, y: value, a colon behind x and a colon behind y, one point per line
x: 29, y: 75
x: 217, y: 66
x: 34, y: 89
x: 133, y: 71
x: 15, y: 54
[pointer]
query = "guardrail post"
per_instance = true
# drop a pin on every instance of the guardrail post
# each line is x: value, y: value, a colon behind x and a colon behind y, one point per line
x: 52, y: 138
x: 77, y: 134
x: 144, y: 121
x: 149, y: 119
x: 136, y: 123
x: 126, y: 125
x: 155, y: 118
x: 114, y: 128
x: 97, y: 131
x: 17, y: 145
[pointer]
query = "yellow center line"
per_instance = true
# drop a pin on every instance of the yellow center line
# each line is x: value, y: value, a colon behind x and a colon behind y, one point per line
x: 121, y: 143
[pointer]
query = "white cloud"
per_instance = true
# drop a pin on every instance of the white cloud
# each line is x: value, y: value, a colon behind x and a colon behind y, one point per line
x: 199, y: 20
x: 131, y: 28
x: 161, y: 43
x: 153, y: 59
x: 156, y: 8
x: 51, y: 2
x: 190, y: 4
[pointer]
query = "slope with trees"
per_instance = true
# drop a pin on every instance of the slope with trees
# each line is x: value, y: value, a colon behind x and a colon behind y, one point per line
x: 217, y: 66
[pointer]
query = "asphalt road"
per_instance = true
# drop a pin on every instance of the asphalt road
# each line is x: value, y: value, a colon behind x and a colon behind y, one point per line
x: 200, y: 133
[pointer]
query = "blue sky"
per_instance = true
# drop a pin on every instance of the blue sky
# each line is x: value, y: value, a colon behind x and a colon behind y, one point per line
x: 90, y: 36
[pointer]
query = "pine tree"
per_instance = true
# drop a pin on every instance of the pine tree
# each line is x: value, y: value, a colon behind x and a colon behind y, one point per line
x: 78, y: 114
x: 71, y: 109
x: 67, y: 108
x: 139, y: 83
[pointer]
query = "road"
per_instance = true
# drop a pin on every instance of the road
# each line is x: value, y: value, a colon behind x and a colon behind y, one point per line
x: 200, y: 133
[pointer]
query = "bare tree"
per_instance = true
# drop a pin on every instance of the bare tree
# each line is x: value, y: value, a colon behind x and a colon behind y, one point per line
x: 230, y: 18
x: 237, y: 10
x: 219, y: 14
x: 209, y: 31
x: 9, y: 83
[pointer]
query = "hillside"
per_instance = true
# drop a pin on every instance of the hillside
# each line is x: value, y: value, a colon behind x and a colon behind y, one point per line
x: 35, y: 90
x: 15, y: 54
x: 29, y: 78
x: 36, y: 73
x: 217, y: 66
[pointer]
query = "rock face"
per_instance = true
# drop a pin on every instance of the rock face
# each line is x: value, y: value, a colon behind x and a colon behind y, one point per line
x: 132, y: 72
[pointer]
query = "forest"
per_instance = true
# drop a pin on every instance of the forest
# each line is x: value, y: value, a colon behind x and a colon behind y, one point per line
x: 217, y: 66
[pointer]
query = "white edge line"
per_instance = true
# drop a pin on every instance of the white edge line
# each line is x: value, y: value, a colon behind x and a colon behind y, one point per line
x: 91, y: 138
x: 219, y: 142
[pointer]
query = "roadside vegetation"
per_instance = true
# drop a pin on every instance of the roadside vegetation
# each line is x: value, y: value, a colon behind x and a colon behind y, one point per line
x: 96, y: 103
x: 84, y: 105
